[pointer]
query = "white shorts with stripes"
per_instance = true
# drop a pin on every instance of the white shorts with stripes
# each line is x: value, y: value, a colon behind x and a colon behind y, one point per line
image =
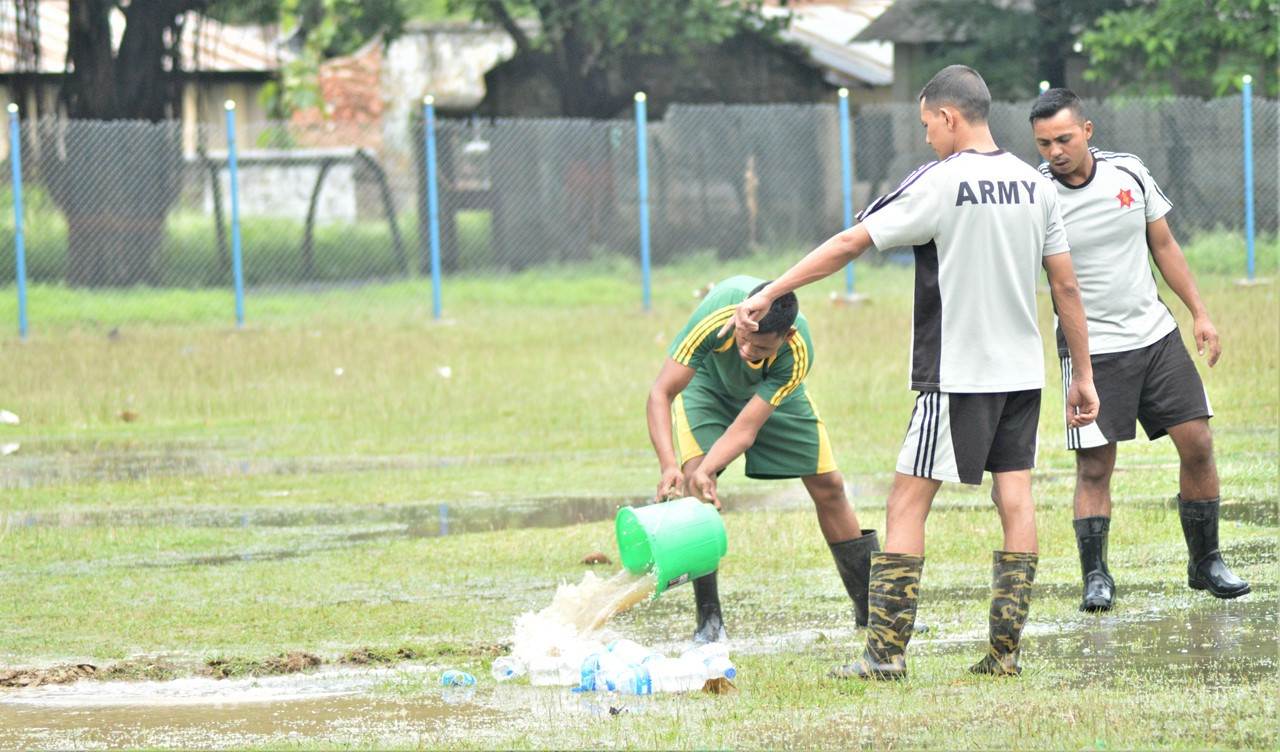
x: 955, y: 437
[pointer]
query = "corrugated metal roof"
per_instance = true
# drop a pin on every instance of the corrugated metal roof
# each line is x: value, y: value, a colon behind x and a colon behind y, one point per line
x: 207, y: 45
x: 827, y: 30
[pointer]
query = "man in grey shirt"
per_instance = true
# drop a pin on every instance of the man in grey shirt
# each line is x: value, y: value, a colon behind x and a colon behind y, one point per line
x: 1115, y: 217
x: 982, y: 224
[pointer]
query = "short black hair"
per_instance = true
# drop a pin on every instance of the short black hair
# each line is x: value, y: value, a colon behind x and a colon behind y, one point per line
x: 1054, y: 101
x: 961, y: 87
x: 782, y: 313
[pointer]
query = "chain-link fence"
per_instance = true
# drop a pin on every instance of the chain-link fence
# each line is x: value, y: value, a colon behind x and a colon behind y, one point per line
x: 122, y: 204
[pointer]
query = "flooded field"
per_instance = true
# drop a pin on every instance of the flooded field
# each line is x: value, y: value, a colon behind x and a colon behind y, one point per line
x: 449, y: 582
x: 399, y: 707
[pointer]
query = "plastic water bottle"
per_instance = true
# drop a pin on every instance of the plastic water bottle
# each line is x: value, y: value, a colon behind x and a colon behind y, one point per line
x: 630, y: 651
x: 714, y: 659
x: 708, y: 649
x: 596, y: 667
x: 631, y: 680
x: 507, y: 667
x: 455, y: 678
x: 675, y: 674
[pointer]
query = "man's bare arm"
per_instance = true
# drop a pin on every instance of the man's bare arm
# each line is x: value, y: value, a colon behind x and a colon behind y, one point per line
x: 672, y: 380
x: 827, y: 259
x: 1172, y: 264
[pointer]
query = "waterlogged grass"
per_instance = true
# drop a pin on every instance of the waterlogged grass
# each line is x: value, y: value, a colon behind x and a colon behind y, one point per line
x: 188, y: 495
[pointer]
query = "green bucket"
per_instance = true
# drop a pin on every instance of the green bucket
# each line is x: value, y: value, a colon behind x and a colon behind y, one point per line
x: 679, y: 540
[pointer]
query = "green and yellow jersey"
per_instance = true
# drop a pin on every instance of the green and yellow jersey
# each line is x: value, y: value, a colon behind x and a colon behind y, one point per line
x: 776, y: 379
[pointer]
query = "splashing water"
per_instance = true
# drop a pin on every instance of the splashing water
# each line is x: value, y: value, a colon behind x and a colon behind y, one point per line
x: 553, y: 641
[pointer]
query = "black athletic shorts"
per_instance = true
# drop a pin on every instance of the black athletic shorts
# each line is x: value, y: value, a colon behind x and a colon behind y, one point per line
x: 1157, y: 385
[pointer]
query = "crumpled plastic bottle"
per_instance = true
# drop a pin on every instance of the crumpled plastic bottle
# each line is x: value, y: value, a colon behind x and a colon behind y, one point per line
x: 631, y: 680
x: 455, y: 678
x: 507, y: 667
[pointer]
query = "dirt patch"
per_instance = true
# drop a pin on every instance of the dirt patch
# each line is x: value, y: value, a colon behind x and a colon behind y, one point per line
x: 139, y: 669
x: 31, y: 677
x: 376, y: 656
x: 475, y: 651
x: 719, y: 686
x: 292, y: 662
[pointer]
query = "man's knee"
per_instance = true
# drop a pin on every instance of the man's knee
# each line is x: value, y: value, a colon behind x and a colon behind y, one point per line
x: 1094, y: 466
x: 826, y: 490
x: 1194, y: 442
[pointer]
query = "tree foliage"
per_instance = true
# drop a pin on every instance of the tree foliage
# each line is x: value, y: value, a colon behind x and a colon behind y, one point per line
x: 140, y: 74
x: 1187, y: 46
x: 116, y: 207
x: 583, y: 43
x: 323, y: 29
x: 1014, y: 45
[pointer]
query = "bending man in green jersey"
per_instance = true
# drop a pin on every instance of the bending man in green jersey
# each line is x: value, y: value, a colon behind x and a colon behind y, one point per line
x: 718, y: 397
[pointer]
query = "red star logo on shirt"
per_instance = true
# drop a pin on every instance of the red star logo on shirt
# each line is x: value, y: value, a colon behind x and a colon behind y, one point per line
x: 1126, y: 199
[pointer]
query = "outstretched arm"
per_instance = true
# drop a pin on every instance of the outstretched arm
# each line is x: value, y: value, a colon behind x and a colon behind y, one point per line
x: 1173, y: 267
x: 739, y: 437
x: 672, y: 380
x: 1082, y: 398
x: 823, y: 261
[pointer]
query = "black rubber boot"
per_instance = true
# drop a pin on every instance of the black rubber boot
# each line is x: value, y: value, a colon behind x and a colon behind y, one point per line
x: 1206, y: 570
x: 1091, y: 542
x: 706, y: 596
x: 853, y: 562
x: 893, y: 595
x: 1012, y: 574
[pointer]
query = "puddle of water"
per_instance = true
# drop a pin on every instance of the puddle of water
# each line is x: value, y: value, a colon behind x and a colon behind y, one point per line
x: 1235, y: 642
x: 208, y: 713
x: 198, y: 690
x: 1254, y: 512
x: 42, y: 463
x: 413, y: 520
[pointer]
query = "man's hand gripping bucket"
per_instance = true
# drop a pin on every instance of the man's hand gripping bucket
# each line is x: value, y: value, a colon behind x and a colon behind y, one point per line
x: 679, y: 540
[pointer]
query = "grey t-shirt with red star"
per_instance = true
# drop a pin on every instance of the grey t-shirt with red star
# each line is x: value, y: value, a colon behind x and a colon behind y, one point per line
x: 1106, y: 218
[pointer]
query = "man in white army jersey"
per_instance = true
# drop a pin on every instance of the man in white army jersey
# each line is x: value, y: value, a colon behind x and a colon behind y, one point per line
x: 1115, y: 218
x: 982, y: 223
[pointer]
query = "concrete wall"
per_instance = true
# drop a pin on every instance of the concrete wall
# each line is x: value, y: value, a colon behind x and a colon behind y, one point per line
x: 447, y: 61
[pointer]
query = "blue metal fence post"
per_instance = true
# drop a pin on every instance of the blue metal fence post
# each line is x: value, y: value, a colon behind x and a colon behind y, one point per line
x: 846, y: 178
x: 1248, y: 172
x: 19, y: 233
x: 237, y: 265
x: 642, y: 178
x: 433, y: 200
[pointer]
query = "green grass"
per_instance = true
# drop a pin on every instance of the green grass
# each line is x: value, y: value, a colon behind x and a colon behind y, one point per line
x: 153, y: 538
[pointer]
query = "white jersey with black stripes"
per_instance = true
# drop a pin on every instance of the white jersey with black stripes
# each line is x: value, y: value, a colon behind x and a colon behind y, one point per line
x: 980, y: 225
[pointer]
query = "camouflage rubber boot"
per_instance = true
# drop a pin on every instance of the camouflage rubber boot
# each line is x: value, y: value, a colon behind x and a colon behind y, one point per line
x: 853, y: 562
x: 1091, y: 542
x: 1012, y: 573
x: 892, y: 597
x: 706, y: 596
x: 1206, y: 570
